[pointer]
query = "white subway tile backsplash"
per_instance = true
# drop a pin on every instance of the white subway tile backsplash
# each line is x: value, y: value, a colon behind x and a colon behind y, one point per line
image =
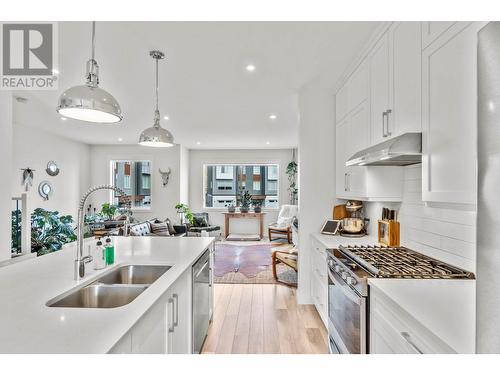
x: 446, y: 233
x: 442, y: 231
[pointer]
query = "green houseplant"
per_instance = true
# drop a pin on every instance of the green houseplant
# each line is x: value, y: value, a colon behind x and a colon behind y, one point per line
x: 50, y: 231
x: 185, y: 212
x: 245, y: 199
x: 291, y: 172
x: 257, y: 205
x: 108, y: 211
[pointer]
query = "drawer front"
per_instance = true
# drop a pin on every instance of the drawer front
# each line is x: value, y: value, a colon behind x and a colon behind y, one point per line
x: 400, y: 331
x: 320, y: 297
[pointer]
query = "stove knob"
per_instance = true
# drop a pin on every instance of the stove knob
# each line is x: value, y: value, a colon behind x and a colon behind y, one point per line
x: 344, y: 275
x: 337, y: 268
x: 351, y: 281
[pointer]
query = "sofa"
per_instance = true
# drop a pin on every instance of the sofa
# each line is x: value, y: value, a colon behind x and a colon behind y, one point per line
x: 157, y: 228
x: 201, y: 223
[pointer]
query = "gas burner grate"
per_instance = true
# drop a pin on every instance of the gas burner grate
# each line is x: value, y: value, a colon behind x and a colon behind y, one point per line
x: 400, y: 262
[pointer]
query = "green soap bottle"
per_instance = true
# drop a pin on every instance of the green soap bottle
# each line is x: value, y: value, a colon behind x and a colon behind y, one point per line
x: 110, y: 252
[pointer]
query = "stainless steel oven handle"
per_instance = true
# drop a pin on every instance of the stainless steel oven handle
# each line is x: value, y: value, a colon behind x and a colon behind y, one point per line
x: 410, y: 342
x: 346, y: 290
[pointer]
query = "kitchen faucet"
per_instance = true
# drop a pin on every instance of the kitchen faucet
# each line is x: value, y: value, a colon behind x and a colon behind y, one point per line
x: 81, y: 260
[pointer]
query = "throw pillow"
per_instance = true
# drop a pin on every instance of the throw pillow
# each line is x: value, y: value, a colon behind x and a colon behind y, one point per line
x: 200, y: 221
x: 159, y: 227
x: 171, y: 228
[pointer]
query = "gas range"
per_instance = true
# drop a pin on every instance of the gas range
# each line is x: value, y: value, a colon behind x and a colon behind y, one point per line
x: 350, y: 267
x: 355, y: 264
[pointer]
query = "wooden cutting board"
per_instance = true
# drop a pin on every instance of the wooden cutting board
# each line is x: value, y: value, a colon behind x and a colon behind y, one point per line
x: 339, y: 212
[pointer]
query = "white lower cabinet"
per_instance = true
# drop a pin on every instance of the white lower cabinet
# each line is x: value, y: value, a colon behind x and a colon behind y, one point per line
x: 319, y: 279
x: 394, y: 331
x: 165, y: 327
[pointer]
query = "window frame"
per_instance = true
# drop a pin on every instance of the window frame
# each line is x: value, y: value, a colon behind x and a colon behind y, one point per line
x: 260, y: 164
x: 111, y: 199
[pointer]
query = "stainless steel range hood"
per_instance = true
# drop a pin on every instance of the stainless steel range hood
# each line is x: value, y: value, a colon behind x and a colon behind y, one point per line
x: 405, y: 149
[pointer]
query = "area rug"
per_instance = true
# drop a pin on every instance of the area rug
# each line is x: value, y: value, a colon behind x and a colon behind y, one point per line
x: 249, y: 264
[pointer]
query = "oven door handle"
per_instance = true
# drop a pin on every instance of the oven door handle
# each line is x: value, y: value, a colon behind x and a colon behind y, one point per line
x: 346, y: 290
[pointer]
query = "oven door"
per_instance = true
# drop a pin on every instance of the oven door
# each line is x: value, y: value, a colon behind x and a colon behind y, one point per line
x: 347, y: 317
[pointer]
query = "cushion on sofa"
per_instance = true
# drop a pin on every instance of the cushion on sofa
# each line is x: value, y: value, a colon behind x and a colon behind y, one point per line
x: 141, y: 229
x: 171, y: 228
x: 157, y: 228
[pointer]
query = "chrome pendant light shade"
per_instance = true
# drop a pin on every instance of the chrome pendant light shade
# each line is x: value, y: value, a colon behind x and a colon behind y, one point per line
x: 89, y: 102
x: 156, y: 136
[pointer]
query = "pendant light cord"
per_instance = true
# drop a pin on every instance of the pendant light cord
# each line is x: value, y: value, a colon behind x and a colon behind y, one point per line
x: 156, y: 83
x: 93, y: 40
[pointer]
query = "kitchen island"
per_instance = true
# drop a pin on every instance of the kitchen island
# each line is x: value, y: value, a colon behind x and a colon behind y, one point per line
x: 28, y: 325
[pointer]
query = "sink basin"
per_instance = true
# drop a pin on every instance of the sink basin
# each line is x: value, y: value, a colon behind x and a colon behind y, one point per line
x: 113, y: 289
x: 134, y: 274
x: 100, y: 296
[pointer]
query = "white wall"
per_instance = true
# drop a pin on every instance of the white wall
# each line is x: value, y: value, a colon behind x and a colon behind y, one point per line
x: 184, y: 175
x: 6, y: 158
x: 198, y: 158
x: 163, y: 199
x: 33, y: 148
x: 316, y: 172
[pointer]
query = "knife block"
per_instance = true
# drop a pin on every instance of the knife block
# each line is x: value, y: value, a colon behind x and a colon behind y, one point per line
x: 388, y: 232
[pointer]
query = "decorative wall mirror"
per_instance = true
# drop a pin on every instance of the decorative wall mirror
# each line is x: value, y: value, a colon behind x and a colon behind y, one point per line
x: 45, y: 190
x: 52, y: 168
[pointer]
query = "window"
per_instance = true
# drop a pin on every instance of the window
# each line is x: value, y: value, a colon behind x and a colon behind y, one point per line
x: 134, y: 178
x: 126, y: 181
x: 222, y: 183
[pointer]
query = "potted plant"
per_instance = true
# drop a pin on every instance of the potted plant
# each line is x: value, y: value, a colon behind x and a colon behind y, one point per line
x: 245, y: 200
x: 50, y: 231
x: 231, y: 208
x: 185, y: 213
x: 291, y: 172
x: 257, y: 205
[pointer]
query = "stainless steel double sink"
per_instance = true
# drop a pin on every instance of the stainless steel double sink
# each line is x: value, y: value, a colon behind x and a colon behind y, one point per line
x: 115, y: 288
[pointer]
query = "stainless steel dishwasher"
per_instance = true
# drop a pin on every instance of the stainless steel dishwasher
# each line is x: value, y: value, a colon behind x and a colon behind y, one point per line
x: 201, y: 300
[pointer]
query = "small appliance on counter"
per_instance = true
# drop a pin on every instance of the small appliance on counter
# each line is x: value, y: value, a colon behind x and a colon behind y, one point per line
x: 389, y: 228
x: 354, y: 224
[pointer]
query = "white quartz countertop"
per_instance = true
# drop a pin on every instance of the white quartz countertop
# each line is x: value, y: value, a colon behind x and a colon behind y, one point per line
x: 27, y: 325
x: 445, y: 307
x: 332, y: 242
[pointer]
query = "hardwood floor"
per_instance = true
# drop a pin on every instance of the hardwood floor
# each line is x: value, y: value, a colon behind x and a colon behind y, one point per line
x: 263, y: 318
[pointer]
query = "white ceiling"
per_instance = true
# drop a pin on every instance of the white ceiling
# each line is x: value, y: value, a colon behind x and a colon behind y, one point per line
x: 204, y: 87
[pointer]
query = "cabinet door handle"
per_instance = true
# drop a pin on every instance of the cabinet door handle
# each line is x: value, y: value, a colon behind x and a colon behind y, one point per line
x: 345, y: 181
x: 171, y: 316
x: 387, y: 113
x: 348, y: 182
x: 384, y: 115
x: 408, y: 339
x: 176, y: 302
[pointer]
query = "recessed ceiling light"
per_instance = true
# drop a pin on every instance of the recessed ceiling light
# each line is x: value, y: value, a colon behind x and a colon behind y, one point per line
x: 63, y: 118
x: 250, y: 68
x: 272, y: 116
x: 268, y: 143
x: 120, y: 139
x: 165, y: 117
x: 55, y: 71
x: 198, y: 143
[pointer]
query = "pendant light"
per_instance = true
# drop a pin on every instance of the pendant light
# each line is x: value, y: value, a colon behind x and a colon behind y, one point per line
x: 89, y: 102
x: 156, y: 136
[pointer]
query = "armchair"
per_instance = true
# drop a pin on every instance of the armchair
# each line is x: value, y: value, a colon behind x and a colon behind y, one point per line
x: 283, y: 226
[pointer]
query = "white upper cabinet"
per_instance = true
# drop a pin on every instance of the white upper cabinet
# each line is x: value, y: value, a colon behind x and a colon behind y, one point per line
x: 358, y: 86
x: 341, y: 103
x: 341, y: 139
x: 395, y: 82
x: 406, y: 52
x: 379, y: 89
x: 432, y: 30
x: 449, y: 115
